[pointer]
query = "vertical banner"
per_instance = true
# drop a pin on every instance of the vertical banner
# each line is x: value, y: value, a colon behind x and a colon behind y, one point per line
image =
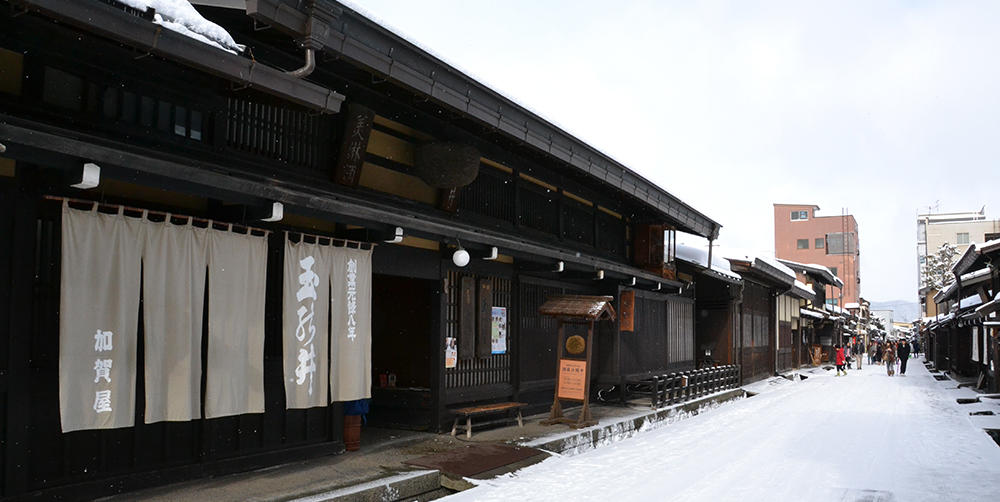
x: 237, y: 267
x: 467, y: 318
x: 498, y: 330
x: 484, y: 334
x: 98, y: 319
x: 350, y: 324
x: 305, y: 330
x: 626, y: 312
x: 173, y: 287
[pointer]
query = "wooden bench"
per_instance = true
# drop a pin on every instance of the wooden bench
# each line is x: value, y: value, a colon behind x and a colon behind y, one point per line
x: 485, y: 409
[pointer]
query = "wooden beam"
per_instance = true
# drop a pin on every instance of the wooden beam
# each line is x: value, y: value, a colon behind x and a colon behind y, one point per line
x: 221, y: 179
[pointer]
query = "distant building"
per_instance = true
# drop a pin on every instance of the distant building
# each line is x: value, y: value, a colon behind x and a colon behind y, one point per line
x: 887, y: 322
x: 802, y: 236
x: 959, y: 229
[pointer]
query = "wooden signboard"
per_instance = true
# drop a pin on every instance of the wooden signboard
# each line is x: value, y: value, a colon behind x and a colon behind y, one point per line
x: 467, y: 318
x: 484, y: 334
x: 354, y: 145
x: 626, y: 314
x: 448, y: 199
x: 572, y: 379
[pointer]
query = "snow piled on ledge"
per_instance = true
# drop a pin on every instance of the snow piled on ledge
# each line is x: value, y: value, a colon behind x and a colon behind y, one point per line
x: 180, y: 16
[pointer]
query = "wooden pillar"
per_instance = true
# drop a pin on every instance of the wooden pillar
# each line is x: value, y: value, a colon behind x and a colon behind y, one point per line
x: 555, y: 413
x: 22, y: 204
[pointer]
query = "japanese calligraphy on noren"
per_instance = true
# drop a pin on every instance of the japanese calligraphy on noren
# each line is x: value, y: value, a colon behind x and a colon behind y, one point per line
x: 102, y: 371
x: 352, y: 298
x: 306, y: 330
x: 305, y: 325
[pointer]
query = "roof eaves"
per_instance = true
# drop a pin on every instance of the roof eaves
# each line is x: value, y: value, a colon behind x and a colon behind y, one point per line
x: 110, y: 22
x: 369, y: 44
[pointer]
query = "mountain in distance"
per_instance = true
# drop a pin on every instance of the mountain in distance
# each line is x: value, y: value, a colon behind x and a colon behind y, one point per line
x: 902, y: 311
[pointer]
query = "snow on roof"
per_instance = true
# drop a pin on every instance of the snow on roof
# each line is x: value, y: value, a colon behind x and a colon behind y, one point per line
x: 816, y: 269
x: 811, y: 313
x: 834, y: 309
x: 696, y: 255
x: 989, y: 246
x: 804, y: 289
x: 772, y: 261
x: 976, y: 274
x: 965, y: 259
x: 852, y: 305
x: 180, y: 16
x: 970, y: 301
x: 751, y: 257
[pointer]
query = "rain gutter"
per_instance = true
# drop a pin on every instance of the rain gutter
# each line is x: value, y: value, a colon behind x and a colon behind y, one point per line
x: 115, y: 24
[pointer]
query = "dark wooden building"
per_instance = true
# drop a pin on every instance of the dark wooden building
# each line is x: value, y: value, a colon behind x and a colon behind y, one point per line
x: 817, y: 325
x: 330, y: 126
x: 756, y: 347
x: 964, y: 339
x: 717, y: 294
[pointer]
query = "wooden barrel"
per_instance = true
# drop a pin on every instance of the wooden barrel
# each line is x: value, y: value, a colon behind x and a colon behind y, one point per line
x: 352, y: 432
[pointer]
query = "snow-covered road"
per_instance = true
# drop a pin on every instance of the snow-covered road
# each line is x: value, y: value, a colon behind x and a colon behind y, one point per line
x: 865, y: 436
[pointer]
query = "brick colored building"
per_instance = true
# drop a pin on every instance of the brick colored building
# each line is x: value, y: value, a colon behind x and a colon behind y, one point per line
x: 802, y: 236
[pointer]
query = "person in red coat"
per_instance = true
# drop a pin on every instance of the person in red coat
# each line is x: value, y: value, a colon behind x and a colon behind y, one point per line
x: 841, y: 360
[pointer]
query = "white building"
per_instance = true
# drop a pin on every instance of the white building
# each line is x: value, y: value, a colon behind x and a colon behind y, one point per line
x: 886, y: 317
x: 959, y: 229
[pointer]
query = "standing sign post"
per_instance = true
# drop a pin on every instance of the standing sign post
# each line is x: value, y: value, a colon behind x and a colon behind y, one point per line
x: 575, y: 353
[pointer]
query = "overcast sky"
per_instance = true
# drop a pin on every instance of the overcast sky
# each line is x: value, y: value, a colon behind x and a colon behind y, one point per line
x: 880, y: 107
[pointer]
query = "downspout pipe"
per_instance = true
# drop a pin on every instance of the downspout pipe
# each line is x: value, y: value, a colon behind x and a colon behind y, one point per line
x: 307, y: 68
x: 710, y: 246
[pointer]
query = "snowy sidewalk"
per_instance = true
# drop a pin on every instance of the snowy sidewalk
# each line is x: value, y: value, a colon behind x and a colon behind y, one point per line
x: 865, y: 436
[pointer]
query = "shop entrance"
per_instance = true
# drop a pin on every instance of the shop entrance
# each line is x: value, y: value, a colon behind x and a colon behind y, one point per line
x: 403, y: 328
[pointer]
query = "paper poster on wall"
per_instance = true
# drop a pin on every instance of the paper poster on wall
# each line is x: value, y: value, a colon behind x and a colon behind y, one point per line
x: 450, y: 352
x: 498, y: 332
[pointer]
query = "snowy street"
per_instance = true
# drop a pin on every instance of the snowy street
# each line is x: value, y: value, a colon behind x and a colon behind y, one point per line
x: 865, y: 436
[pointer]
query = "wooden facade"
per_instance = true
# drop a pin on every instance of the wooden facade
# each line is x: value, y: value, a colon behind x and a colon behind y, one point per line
x: 175, y: 137
x: 963, y: 338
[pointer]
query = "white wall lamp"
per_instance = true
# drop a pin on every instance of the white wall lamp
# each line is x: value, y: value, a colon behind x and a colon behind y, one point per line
x: 90, y: 177
x: 599, y: 276
x: 560, y: 266
x: 632, y: 283
x: 658, y: 287
x: 397, y: 236
x: 460, y: 257
x: 277, y: 212
x: 494, y: 254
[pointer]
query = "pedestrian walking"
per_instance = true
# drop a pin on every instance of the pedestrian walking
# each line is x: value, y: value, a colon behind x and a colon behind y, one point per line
x: 871, y: 352
x: 890, y: 359
x: 840, y: 360
x: 859, y: 349
x: 904, y: 354
x: 916, y: 347
x: 879, y: 353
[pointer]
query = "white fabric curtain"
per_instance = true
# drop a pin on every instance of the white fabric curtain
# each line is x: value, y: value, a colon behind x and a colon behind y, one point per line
x: 305, y: 324
x: 174, y: 264
x: 350, y: 324
x: 99, y: 318
x: 236, y: 282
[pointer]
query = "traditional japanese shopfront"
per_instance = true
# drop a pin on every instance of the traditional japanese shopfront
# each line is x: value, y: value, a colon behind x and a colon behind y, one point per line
x: 197, y: 271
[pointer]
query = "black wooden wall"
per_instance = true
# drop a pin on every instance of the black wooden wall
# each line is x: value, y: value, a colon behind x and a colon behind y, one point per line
x: 83, y: 464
